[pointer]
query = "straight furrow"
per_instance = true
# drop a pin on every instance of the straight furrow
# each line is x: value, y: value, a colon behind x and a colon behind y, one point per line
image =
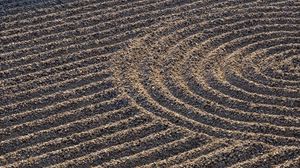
x: 76, y: 138
x: 271, y: 158
x: 190, y: 154
x: 116, y: 151
x: 90, y: 146
x: 160, y: 152
x: 68, y: 105
x: 227, y: 156
x: 66, y: 128
x: 44, y: 101
x: 50, y: 89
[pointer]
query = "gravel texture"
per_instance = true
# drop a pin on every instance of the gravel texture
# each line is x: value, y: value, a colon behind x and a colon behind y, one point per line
x: 150, y: 83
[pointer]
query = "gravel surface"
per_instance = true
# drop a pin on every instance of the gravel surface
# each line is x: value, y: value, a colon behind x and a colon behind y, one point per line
x: 149, y: 83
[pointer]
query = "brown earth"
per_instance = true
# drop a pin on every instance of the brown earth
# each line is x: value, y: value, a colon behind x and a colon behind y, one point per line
x: 148, y: 83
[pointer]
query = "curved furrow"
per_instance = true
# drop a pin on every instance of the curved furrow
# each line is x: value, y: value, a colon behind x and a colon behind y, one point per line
x: 229, y: 89
x: 231, y: 112
x: 175, y: 118
x: 185, y: 120
x: 147, y: 81
x: 279, y: 91
x: 284, y: 64
x: 238, y: 80
x: 279, y: 74
x: 188, y: 78
x: 255, y: 74
x: 181, y: 92
x: 176, y: 90
x: 273, y: 54
x: 163, y: 98
x: 284, y: 60
x: 155, y: 89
